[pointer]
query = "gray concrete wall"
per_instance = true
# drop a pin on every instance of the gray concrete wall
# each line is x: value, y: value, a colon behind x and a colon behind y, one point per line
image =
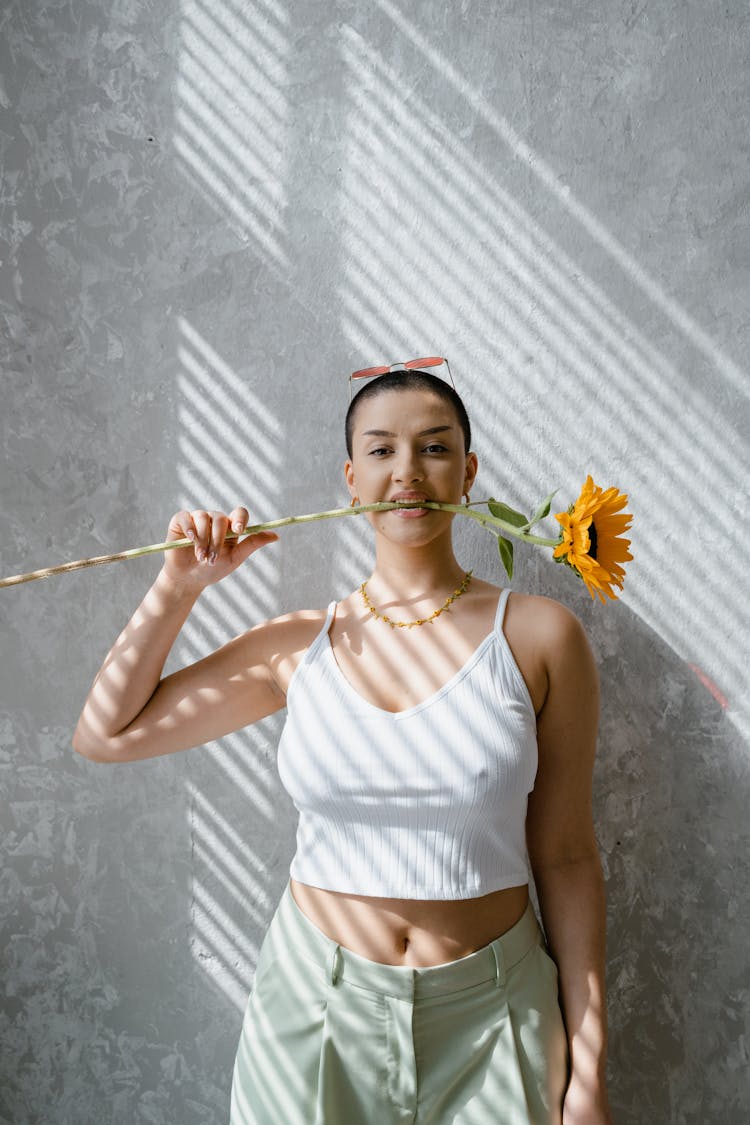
x: 212, y: 210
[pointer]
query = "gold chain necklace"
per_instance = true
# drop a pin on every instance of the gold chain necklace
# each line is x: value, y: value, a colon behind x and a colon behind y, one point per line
x: 420, y: 620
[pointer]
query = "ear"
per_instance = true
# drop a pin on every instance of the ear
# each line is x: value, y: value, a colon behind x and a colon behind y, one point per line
x: 472, y: 467
x: 349, y: 477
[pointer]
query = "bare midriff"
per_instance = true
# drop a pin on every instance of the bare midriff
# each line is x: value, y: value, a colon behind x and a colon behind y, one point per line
x: 407, y: 931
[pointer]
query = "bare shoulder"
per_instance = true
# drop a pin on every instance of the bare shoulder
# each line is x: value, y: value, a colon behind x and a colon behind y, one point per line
x: 288, y: 628
x: 281, y: 642
x: 548, y: 642
x: 550, y: 622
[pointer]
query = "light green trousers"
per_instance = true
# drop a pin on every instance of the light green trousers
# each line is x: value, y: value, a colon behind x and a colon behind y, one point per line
x: 332, y: 1038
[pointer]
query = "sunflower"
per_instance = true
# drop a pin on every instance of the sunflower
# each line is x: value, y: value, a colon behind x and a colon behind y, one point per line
x: 591, y: 540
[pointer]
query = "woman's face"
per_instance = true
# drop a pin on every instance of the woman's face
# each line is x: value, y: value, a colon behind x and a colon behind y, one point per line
x: 408, y: 445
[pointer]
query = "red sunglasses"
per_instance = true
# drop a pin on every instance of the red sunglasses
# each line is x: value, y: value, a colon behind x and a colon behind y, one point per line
x: 409, y: 364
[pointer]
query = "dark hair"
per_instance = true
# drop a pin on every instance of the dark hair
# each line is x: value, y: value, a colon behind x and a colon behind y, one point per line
x: 408, y: 380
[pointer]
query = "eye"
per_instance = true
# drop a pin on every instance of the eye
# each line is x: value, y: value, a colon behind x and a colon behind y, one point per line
x: 380, y: 449
x: 436, y: 447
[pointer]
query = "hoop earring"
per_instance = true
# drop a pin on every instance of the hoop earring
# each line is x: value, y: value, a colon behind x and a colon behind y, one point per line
x: 355, y: 502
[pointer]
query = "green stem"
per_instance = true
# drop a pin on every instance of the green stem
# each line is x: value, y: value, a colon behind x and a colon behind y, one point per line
x: 489, y: 521
x: 492, y: 523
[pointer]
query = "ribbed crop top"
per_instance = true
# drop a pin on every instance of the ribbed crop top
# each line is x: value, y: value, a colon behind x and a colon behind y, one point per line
x: 426, y: 803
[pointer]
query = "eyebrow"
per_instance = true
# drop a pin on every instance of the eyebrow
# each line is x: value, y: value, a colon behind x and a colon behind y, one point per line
x: 422, y: 433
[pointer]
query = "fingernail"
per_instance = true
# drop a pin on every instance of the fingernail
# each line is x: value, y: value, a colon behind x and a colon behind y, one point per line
x: 190, y: 535
x: 238, y: 527
x: 212, y: 558
x: 201, y: 554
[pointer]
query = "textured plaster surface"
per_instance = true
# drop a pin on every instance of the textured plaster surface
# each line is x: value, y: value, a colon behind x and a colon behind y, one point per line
x: 209, y: 213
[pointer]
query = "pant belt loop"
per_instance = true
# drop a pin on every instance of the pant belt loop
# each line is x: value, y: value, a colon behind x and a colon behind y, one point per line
x: 497, y: 950
x: 333, y: 964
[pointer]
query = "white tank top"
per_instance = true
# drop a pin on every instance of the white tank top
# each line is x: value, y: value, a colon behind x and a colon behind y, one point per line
x: 426, y: 803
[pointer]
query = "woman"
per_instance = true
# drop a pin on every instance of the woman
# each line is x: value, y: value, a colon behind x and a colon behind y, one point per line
x: 440, y: 737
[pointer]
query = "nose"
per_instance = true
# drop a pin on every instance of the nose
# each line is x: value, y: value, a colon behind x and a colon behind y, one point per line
x: 407, y: 468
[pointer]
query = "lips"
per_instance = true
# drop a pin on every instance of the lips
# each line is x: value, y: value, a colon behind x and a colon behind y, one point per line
x: 410, y: 513
x: 408, y: 496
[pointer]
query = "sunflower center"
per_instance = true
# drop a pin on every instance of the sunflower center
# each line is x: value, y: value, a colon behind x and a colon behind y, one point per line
x: 593, y: 540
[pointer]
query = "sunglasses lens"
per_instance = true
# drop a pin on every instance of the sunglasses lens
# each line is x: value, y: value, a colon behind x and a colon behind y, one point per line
x: 368, y: 372
x: 427, y: 361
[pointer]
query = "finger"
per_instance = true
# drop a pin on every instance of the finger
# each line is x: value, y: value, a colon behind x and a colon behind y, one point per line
x: 219, y: 528
x: 254, y: 543
x: 181, y: 526
x: 239, y: 518
x: 202, y: 523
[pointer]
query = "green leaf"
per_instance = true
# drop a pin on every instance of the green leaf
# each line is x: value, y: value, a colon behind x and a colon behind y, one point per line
x: 510, y: 515
x: 543, y: 509
x: 505, y: 547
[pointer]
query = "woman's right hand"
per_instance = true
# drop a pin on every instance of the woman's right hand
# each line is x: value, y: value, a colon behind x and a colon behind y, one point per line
x: 212, y: 556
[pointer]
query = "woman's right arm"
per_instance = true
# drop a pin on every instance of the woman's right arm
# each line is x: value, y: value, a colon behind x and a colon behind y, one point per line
x: 131, y: 712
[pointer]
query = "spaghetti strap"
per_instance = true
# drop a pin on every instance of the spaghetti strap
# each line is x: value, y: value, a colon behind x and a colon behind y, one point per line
x: 330, y: 614
x: 315, y: 645
x: 501, y: 607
